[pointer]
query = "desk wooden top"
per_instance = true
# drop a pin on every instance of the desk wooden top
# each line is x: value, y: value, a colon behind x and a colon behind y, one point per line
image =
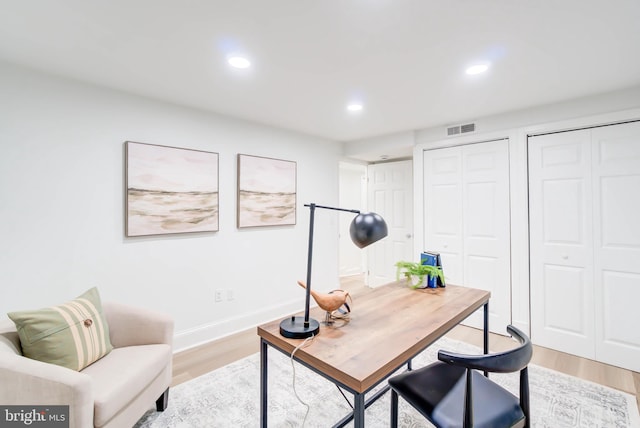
x: 389, y: 325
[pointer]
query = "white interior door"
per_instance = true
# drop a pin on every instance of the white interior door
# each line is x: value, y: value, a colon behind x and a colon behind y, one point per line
x: 390, y: 194
x: 486, y: 226
x: 443, y: 209
x: 466, y: 220
x: 352, y: 196
x: 616, y: 191
x: 561, y: 242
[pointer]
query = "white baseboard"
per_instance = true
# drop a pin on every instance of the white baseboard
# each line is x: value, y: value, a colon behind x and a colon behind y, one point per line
x: 200, y: 335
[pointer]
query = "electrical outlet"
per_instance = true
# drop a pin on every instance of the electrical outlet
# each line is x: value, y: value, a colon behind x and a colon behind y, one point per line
x: 218, y: 295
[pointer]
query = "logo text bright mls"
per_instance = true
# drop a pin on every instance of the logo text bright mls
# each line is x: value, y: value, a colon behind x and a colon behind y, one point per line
x: 34, y: 416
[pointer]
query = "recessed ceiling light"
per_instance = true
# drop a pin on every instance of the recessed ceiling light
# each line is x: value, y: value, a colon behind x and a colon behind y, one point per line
x: 239, y: 62
x: 477, y: 69
x: 355, y: 107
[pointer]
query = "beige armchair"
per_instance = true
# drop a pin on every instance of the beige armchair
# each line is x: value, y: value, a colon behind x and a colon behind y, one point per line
x: 116, y: 390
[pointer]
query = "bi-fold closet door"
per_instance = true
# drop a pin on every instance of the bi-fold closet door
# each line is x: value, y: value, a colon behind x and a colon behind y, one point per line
x: 584, y: 206
x: 467, y: 220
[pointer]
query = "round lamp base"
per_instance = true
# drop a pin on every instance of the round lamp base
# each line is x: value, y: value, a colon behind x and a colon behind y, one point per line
x: 294, y: 328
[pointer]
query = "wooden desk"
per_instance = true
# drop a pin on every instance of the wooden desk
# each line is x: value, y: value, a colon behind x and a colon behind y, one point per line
x: 389, y: 326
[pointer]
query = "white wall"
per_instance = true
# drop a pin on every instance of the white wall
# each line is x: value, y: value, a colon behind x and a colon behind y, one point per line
x: 62, y: 209
x: 392, y: 146
x: 569, y: 110
x: 399, y: 145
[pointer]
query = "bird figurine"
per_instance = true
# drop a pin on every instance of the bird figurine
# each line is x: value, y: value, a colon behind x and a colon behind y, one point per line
x: 331, y: 301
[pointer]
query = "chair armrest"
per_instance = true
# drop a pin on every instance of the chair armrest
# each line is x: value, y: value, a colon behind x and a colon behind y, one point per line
x: 504, y: 362
x: 131, y: 326
x: 477, y: 362
x: 30, y: 382
x: 499, y: 362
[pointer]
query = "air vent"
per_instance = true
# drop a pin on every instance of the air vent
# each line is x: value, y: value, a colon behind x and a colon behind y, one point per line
x: 461, y: 129
x: 454, y: 130
x: 469, y: 127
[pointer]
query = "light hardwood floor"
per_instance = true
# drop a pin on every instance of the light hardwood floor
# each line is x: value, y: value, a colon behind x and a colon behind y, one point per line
x: 197, y: 361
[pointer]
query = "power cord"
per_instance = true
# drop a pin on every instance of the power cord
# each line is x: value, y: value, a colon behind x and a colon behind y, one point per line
x: 339, y: 313
x: 306, y: 342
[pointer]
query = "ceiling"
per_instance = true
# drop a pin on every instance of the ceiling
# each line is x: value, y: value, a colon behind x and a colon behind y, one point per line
x: 403, y: 59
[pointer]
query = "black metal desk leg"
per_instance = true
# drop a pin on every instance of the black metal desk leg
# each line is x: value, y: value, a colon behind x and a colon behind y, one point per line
x: 486, y: 332
x: 486, y: 328
x: 263, y: 384
x: 358, y: 411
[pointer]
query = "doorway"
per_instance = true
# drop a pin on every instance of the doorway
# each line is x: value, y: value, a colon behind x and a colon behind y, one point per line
x: 352, y: 195
x: 386, y: 189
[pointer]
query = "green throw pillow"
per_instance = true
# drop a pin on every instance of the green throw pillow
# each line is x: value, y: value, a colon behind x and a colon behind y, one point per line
x: 72, y: 335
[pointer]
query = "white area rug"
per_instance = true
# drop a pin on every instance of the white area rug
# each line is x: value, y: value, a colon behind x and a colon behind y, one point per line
x: 229, y: 397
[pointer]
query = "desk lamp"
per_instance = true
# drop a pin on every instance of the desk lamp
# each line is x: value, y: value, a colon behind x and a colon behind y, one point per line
x: 365, y: 229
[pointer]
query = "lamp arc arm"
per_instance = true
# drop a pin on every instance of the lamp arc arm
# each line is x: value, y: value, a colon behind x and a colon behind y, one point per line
x: 333, y: 208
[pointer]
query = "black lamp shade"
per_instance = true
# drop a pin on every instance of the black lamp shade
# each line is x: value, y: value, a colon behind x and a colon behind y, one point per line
x: 367, y: 228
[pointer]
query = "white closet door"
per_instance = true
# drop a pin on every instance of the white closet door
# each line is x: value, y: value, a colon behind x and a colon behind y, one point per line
x: 561, y: 241
x: 443, y: 209
x: 486, y: 228
x: 466, y: 215
x: 616, y: 189
x: 390, y: 194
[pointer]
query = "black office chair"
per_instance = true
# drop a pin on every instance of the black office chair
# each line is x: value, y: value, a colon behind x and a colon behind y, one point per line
x: 452, y: 393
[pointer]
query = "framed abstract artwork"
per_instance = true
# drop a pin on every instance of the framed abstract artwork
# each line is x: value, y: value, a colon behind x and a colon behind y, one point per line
x: 170, y: 190
x: 266, y: 191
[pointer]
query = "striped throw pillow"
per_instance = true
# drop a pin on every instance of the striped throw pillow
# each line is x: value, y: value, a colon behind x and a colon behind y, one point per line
x: 72, y: 335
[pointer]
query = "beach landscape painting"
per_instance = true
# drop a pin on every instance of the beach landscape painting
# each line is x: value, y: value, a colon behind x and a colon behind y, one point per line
x: 266, y: 191
x: 170, y: 190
